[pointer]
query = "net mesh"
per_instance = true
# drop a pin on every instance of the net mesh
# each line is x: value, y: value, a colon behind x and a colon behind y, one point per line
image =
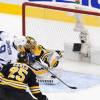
x: 54, y: 27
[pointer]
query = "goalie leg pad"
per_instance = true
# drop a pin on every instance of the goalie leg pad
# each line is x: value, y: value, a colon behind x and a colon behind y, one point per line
x: 38, y: 69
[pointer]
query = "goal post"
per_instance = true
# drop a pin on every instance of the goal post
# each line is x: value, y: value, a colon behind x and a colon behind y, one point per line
x: 54, y: 7
x: 54, y: 24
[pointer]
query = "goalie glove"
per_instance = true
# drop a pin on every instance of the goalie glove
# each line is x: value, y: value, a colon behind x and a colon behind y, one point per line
x: 51, y: 59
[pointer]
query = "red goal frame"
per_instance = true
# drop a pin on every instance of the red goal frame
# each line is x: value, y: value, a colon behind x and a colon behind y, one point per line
x: 24, y: 5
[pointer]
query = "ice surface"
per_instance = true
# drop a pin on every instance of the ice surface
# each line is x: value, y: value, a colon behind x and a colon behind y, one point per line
x: 88, y: 84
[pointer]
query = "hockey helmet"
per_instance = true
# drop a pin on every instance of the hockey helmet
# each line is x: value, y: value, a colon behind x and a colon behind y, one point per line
x: 20, y: 40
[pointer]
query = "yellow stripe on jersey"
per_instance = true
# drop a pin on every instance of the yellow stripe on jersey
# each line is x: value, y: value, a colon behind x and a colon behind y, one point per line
x: 34, y: 87
x: 14, y: 84
x: 1, y: 74
x: 36, y: 92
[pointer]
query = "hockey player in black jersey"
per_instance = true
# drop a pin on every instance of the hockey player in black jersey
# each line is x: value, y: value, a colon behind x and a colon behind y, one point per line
x: 14, y: 81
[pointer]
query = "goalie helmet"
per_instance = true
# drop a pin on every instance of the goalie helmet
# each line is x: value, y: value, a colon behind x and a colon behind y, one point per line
x: 31, y: 42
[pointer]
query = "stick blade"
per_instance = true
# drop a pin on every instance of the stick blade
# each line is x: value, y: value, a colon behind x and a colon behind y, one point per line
x: 73, y: 87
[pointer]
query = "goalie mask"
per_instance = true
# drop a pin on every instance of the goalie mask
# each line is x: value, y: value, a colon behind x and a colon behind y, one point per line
x: 31, y: 43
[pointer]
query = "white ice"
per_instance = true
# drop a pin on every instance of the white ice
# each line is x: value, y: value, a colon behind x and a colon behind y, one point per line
x: 88, y: 84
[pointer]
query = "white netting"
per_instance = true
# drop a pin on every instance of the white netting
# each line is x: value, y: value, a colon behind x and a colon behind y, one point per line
x: 53, y: 27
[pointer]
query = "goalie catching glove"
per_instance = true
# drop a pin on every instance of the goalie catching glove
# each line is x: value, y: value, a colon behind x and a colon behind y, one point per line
x: 51, y: 58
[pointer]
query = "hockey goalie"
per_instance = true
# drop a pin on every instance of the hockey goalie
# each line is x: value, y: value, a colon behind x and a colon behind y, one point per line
x: 39, y: 58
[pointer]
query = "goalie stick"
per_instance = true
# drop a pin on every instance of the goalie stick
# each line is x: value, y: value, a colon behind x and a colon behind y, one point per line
x: 71, y: 87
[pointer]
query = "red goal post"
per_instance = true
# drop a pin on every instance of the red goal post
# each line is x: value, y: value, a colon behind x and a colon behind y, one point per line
x: 27, y: 26
x: 50, y: 6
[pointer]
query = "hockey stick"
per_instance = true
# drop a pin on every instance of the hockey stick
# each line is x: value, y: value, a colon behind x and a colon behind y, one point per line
x: 56, y: 76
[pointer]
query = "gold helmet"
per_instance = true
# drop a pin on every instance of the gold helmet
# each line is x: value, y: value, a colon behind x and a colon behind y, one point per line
x: 31, y: 42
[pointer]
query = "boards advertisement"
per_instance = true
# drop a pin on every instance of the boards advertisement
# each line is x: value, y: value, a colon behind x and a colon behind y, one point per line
x: 92, y: 3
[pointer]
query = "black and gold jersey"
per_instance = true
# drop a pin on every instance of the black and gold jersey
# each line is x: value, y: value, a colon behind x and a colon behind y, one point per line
x: 19, y: 76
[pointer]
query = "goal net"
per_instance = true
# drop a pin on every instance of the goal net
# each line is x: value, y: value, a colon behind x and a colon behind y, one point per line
x: 52, y: 24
